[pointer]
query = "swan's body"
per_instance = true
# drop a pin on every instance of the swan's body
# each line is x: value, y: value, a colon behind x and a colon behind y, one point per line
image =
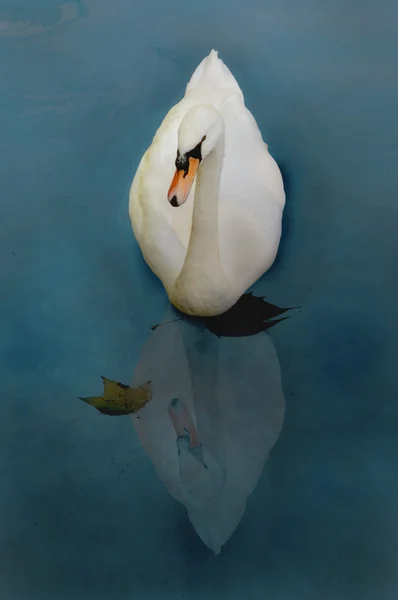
x: 217, y: 410
x: 210, y: 249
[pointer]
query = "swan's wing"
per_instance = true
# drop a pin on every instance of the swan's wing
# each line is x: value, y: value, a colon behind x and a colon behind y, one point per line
x: 251, y: 199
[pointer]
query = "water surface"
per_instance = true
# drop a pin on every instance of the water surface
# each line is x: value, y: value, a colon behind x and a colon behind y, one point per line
x: 83, y: 87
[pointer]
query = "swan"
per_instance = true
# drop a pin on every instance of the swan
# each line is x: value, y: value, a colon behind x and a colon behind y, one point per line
x: 207, y: 200
x: 217, y: 409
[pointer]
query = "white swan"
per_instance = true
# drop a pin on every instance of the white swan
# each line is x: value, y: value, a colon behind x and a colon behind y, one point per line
x: 217, y: 410
x: 212, y: 248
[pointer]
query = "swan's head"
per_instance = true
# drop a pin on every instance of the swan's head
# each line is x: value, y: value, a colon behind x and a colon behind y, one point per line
x: 198, y: 134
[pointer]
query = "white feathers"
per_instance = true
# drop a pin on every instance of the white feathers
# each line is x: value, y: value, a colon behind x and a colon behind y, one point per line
x: 211, y: 249
x: 213, y: 73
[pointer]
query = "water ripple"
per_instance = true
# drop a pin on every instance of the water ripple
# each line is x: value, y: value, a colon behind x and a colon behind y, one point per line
x: 69, y: 10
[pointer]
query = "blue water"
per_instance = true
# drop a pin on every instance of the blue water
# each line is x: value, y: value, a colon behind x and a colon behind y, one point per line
x: 83, y: 86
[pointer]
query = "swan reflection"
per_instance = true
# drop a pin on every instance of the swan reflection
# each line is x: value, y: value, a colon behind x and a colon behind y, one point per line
x: 217, y: 410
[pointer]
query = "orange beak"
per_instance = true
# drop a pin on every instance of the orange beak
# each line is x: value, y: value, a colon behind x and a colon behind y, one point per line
x: 182, y: 183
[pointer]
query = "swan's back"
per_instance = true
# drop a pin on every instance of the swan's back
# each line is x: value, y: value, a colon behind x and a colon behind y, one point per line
x: 213, y: 74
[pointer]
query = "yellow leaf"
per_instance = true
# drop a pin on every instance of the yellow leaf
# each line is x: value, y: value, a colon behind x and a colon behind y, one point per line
x: 120, y: 399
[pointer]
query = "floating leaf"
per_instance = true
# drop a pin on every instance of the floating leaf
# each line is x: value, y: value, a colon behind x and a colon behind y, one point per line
x: 249, y: 316
x: 120, y: 399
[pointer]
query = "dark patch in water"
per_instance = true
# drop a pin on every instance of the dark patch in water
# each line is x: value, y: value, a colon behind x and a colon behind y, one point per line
x: 249, y: 316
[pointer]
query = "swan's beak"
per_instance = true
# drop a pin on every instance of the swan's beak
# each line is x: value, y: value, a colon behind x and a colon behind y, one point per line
x: 182, y: 182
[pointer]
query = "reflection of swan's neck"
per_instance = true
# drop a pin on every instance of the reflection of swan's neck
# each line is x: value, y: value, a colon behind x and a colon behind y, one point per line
x: 198, y: 425
x: 202, y: 353
x: 202, y: 270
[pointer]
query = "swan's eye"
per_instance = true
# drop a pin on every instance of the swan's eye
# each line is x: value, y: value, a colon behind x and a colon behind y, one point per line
x: 182, y: 161
x: 197, y: 151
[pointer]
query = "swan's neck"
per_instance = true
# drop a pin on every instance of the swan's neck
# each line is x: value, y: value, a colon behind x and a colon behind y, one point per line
x: 202, y: 282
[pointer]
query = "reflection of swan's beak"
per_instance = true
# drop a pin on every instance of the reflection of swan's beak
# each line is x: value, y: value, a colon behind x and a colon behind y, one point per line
x: 182, y: 182
x: 182, y: 421
x: 187, y: 435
